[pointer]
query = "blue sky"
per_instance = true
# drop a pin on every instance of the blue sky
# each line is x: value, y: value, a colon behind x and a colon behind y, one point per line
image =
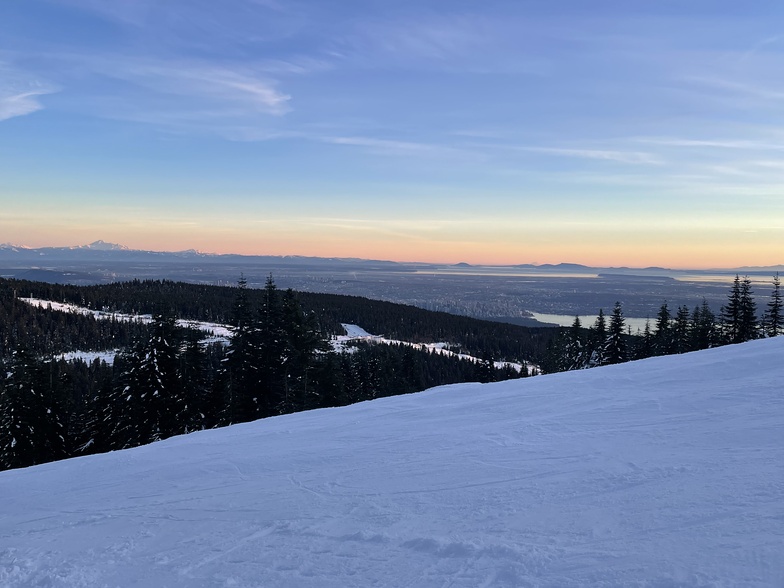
x: 613, y: 133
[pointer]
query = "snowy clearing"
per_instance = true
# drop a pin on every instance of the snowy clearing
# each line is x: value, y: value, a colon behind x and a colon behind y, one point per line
x: 90, y: 356
x: 215, y: 329
x: 356, y: 333
x: 665, y: 472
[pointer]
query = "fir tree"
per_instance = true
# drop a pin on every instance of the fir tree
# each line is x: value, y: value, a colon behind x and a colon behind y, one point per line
x: 241, y: 365
x: 774, y: 318
x: 153, y: 400
x: 748, y: 327
x: 598, y: 339
x: 195, y: 385
x: 31, y: 428
x: 644, y: 348
x: 615, y: 344
x: 663, y: 339
x: 731, y: 314
x: 274, y: 354
x: 574, y: 350
x: 304, y: 342
x: 703, y: 332
x: 681, y: 330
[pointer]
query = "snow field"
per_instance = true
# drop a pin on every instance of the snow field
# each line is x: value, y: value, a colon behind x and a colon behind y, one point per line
x: 662, y: 473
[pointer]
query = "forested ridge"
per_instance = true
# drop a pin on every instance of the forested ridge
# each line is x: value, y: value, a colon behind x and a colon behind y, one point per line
x: 214, y: 304
x: 166, y: 380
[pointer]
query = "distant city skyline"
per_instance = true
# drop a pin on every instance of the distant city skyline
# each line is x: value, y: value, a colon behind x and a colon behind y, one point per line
x: 607, y: 133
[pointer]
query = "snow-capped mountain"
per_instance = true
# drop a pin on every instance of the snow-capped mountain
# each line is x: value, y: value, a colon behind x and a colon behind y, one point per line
x: 102, y: 246
x: 663, y: 472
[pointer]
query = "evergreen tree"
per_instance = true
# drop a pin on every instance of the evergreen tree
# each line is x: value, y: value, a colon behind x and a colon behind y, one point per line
x: 241, y: 365
x: 102, y: 417
x: 663, y: 339
x: 598, y: 339
x: 485, y: 369
x: 681, y: 330
x: 574, y: 350
x: 195, y: 385
x: 703, y: 333
x: 304, y: 342
x: 731, y: 314
x: 31, y: 428
x: 274, y: 354
x: 153, y: 397
x: 748, y: 327
x: 644, y: 348
x: 615, y: 344
x: 774, y: 318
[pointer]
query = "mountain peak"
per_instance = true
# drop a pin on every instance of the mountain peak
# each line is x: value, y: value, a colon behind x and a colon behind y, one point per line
x: 101, y: 245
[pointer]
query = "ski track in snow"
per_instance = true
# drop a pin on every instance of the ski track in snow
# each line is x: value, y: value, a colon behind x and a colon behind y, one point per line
x: 667, y: 472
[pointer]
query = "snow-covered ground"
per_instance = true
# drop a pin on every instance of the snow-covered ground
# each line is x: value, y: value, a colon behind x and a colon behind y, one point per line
x: 90, y: 356
x: 357, y: 333
x: 214, y: 329
x: 667, y: 472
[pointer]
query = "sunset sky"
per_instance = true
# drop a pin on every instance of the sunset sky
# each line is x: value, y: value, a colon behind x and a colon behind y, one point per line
x: 511, y: 131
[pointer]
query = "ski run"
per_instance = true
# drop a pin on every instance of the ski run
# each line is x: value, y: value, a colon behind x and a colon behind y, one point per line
x: 666, y: 472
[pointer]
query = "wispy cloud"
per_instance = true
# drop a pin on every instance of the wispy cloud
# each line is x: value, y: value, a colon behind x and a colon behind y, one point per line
x: 758, y: 46
x: 207, y: 82
x: 753, y: 90
x: 455, y: 41
x: 740, y: 144
x: 631, y: 157
x: 19, y: 104
x: 388, y: 146
x: 183, y: 95
x: 19, y: 94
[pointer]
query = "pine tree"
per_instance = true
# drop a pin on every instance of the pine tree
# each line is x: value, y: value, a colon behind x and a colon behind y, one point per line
x: 644, y: 348
x: 703, y: 332
x: 681, y: 330
x: 304, y: 342
x: 663, y: 339
x: 774, y: 317
x: 195, y: 385
x: 574, y: 349
x: 152, y: 398
x: 31, y: 428
x: 731, y: 314
x: 615, y: 344
x: 598, y: 339
x: 748, y: 327
x: 242, y: 362
x: 274, y: 354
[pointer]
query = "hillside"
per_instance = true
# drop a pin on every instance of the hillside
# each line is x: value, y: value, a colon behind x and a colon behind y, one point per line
x: 664, y: 472
x: 215, y: 304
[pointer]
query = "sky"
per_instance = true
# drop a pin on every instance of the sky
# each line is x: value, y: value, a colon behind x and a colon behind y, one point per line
x: 607, y: 132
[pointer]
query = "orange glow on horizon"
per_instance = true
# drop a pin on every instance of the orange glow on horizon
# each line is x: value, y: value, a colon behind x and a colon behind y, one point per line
x: 678, y: 251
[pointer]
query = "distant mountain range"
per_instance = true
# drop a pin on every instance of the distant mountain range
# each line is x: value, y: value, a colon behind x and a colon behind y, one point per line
x: 113, y: 252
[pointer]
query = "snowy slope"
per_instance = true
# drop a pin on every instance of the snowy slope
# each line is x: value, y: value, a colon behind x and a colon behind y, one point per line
x: 667, y: 472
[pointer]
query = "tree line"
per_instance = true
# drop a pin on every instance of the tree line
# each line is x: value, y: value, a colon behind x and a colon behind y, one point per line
x: 609, y: 341
x: 279, y: 360
x: 209, y: 303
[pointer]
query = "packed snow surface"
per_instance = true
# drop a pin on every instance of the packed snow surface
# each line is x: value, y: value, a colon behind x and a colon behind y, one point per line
x: 666, y: 472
